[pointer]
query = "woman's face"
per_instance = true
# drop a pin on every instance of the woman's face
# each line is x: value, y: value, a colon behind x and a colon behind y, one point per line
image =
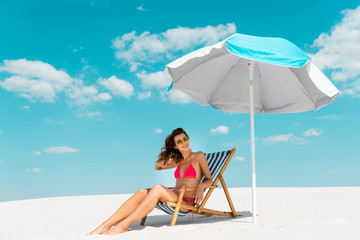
x: 182, y: 142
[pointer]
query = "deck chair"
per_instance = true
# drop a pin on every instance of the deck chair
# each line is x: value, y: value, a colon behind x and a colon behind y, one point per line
x: 217, y: 163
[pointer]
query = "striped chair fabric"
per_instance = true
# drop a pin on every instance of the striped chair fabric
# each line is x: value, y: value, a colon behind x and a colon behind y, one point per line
x: 215, y: 162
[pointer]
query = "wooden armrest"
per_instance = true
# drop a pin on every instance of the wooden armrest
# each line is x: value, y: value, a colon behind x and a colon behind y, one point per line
x: 190, y: 189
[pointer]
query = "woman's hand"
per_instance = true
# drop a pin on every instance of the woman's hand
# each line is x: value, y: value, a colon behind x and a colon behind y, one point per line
x: 160, y: 165
x: 199, y: 194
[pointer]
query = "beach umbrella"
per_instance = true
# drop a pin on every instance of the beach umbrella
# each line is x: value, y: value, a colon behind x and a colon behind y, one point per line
x: 251, y: 74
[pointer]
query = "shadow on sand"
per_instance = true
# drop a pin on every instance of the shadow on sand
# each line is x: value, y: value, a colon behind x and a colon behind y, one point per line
x: 161, y: 220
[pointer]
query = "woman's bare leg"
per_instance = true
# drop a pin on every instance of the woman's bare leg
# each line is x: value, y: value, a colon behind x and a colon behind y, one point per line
x: 125, y: 210
x: 157, y: 193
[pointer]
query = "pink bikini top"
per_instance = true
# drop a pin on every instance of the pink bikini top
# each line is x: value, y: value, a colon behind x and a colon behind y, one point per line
x: 189, y: 173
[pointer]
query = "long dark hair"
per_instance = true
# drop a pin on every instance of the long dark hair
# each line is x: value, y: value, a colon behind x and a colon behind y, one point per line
x: 168, y: 151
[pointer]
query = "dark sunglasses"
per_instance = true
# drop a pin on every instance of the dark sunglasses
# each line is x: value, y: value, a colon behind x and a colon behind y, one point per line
x: 185, y: 139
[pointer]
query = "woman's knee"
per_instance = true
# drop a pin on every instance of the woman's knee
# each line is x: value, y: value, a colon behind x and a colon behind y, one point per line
x: 143, y: 192
x: 157, y: 188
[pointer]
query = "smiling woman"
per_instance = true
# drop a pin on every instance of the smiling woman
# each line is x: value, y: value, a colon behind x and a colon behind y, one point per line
x: 175, y: 153
x: 170, y: 152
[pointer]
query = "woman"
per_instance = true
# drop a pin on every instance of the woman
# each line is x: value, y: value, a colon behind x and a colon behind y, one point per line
x: 190, y: 167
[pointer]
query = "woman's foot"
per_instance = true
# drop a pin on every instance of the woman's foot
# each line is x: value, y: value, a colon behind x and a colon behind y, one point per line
x: 116, y: 230
x: 99, y: 230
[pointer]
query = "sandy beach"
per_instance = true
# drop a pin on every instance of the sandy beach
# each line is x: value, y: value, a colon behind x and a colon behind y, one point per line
x: 283, y: 213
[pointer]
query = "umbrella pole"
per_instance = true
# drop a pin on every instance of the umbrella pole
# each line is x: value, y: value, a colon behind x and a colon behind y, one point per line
x: 252, y: 132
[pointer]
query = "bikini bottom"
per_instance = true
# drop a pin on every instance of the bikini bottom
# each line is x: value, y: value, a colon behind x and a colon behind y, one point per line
x: 190, y: 201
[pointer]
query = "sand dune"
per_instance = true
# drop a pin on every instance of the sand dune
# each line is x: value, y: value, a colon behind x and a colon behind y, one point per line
x: 283, y: 213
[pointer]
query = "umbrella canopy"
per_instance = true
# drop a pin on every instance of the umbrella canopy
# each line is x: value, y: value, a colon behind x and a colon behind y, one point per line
x: 250, y: 75
x: 285, y: 79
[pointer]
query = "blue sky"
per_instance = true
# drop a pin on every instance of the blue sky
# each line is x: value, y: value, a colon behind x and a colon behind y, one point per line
x: 84, y: 107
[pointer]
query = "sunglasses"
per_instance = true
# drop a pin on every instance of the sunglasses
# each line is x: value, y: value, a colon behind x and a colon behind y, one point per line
x: 185, y: 139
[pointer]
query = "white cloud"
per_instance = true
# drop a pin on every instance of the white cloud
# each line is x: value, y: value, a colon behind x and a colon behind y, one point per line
x: 144, y: 95
x: 37, y: 80
x: 117, y: 86
x: 34, y: 170
x: 175, y: 96
x: 220, y: 130
x: 89, y: 114
x: 331, y: 117
x: 312, y: 132
x: 26, y: 107
x: 339, y: 51
x: 279, y: 138
x: 271, y: 140
x: 1, y: 132
x: 39, y: 70
x: 158, y: 131
x: 87, y: 68
x: 102, y: 97
x: 30, y: 88
x: 48, y: 120
x: 179, y: 97
x: 147, y: 48
x: 76, y: 50
x: 141, y: 8
x: 79, y: 94
x: 352, y: 89
x: 237, y: 144
x: 239, y: 159
x: 61, y: 149
x: 159, y: 79
x: 37, y: 153
x: 34, y: 79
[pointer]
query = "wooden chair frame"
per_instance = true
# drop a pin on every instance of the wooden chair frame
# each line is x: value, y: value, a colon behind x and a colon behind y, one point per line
x: 200, y: 209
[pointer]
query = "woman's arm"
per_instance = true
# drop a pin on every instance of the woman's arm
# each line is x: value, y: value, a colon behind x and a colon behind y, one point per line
x: 207, y: 183
x: 161, y: 165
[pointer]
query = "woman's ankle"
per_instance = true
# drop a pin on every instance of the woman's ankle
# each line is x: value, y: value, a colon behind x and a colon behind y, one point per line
x: 124, y: 225
x: 106, y: 225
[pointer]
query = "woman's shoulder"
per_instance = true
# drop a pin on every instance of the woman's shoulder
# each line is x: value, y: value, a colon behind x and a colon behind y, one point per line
x: 199, y: 154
